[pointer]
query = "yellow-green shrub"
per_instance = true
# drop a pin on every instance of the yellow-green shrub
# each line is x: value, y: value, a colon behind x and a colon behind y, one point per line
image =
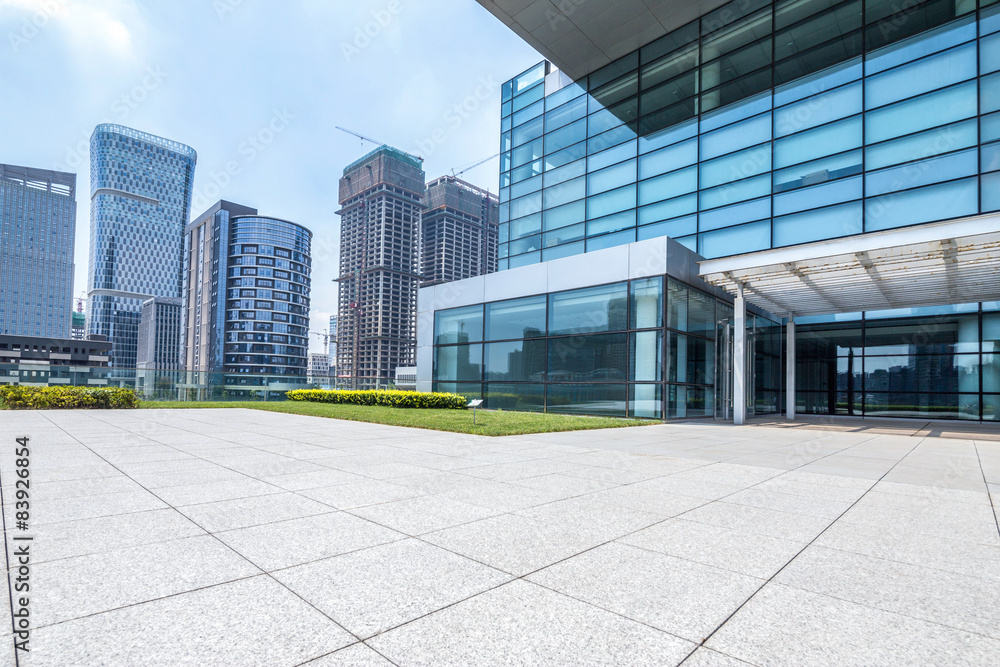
x: 390, y: 398
x: 18, y: 397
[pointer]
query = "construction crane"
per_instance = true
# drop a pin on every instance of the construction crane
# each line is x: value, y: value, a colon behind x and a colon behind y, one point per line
x: 326, y: 340
x: 374, y: 141
x: 473, y: 166
x: 80, y: 299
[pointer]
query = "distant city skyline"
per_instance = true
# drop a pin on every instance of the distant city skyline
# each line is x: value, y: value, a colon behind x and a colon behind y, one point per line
x: 272, y: 138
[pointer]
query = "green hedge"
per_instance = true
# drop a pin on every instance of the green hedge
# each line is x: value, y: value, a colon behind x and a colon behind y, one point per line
x: 18, y: 397
x: 395, y: 399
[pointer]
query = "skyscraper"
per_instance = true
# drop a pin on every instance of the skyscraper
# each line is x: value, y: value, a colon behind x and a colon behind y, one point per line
x: 459, y: 232
x: 140, y: 203
x: 246, y: 303
x: 159, y: 341
x: 382, y: 200
x: 37, y: 230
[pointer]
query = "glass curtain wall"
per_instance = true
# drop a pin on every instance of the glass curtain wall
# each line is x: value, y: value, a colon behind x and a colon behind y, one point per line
x: 934, y: 363
x: 762, y: 124
x: 645, y: 348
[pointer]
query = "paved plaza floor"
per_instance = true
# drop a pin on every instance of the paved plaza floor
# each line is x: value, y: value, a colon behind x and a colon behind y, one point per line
x: 239, y: 537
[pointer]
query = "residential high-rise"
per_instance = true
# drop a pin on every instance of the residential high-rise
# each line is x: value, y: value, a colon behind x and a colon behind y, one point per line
x: 246, y: 298
x: 159, y: 341
x: 332, y: 352
x: 140, y: 202
x: 381, y: 196
x: 37, y: 230
x: 459, y: 232
x: 733, y: 207
x: 319, y: 368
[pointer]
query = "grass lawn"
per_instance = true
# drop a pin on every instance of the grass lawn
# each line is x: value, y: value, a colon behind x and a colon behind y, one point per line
x: 488, y: 422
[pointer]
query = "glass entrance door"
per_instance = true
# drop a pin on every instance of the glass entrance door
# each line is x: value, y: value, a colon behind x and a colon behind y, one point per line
x: 724, y: 368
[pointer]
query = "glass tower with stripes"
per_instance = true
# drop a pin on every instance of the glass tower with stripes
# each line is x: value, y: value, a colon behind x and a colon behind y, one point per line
x: 140, y: 203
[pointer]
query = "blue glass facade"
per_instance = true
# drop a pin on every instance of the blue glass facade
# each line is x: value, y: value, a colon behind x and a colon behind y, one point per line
x: 140, y: 203
x: 641, y: 348
x: 761, y: 125
x: 267, y: 300
x: 37, y: 230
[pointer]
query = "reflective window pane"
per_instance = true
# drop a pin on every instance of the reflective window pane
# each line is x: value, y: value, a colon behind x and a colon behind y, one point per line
x: 458, y: 325
x: 458, y: 363
x: 594, y: 358
x: 601, y: 308
x: 516, y: 361
x: 518, y: 318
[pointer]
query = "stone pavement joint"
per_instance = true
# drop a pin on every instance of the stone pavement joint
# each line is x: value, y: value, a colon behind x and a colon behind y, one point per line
x: 239, y: 537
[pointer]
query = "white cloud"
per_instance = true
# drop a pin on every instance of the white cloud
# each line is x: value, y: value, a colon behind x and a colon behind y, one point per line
x: 92, y: 28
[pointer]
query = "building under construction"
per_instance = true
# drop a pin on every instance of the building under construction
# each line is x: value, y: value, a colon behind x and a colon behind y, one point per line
x: 460, y: 232
x: 381, y: 198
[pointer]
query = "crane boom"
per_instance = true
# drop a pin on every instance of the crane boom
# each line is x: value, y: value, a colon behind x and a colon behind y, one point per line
x: 374, y: 141
x: 474, y: 165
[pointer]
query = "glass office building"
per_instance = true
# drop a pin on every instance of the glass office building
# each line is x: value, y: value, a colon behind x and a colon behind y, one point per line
x: 37, y: 230
x: 267, y: 301
x: 140, y: 202
x: 761, y: 125
x: 756, y: 136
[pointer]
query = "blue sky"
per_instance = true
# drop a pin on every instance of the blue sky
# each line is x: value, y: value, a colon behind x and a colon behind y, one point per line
x: 257, y: 88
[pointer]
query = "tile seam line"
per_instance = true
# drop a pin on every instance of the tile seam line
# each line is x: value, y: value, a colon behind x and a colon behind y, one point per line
x: 996, y: 518
x: 227, y: 546
x: 770, y: 579
x: 524, y: 576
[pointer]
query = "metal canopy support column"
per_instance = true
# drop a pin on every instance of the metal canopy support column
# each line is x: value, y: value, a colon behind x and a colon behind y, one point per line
x: 790, y: 368
x: 740, y: 357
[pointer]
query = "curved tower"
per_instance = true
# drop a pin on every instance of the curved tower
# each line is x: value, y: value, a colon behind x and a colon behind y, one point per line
x: 140, y: 203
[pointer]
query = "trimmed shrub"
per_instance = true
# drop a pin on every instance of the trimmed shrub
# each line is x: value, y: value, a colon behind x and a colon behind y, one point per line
x: 389, y: 398
x: 18, y: 397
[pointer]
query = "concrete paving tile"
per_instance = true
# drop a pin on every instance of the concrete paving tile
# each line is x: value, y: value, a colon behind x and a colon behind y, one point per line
x: 788, y: 626
x: 591, y: 517
x: 933, y: 493
x: 376, y: 589
x: 512, y: 472
x: 222, y: 625
x: 660, y: 503
x: 611, y: 475
x: 84, y: 585
x: 563, y: 483
x: 524, y: 624
x: 672, y: 484
x: 505, y: 497
x: 255, y: 511
x: 93, y: 536
x: 302, y: 481
x: 706, y: 657
x: 744, y: 551
x: 41, y: 474
x: 416, y: 516
x: 678, y: 596
x: 786, y: 502
x: 958, y: 601
x: 901, y: 543
x: 514, y: 543
x: 356, y: 655
x: 87, y: 507
x: 812, y: 489
x: 289, y: 543
x: 194, y: 494
x: 360, y: 494
x: 436, y: 482
x: 971, y: 526
x: 94, y: 486
x: 784, y: 525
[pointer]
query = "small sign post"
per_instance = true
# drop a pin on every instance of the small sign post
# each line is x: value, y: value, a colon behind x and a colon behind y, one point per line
x: 475, y: 404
